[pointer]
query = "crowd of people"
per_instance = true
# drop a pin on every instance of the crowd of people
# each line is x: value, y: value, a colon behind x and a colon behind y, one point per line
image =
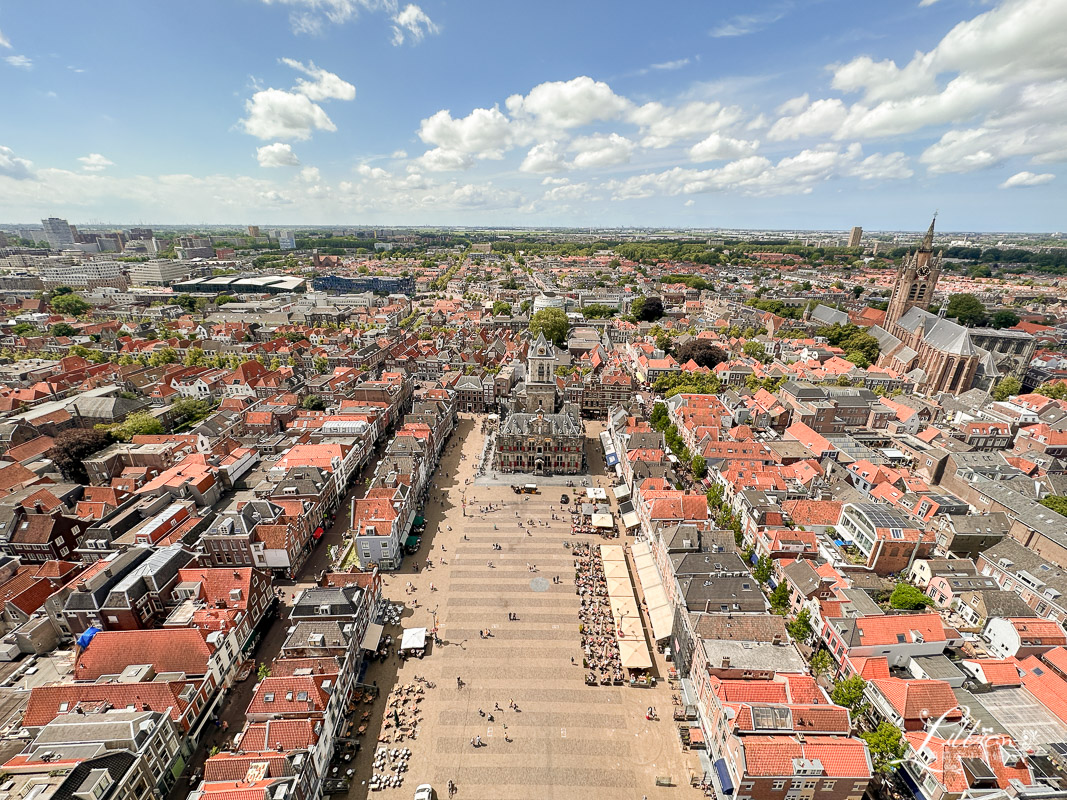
x: 601, y: 649
x: 581, y: 524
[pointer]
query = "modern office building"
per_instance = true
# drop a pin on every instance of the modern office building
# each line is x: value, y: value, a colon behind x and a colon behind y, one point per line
x: 159, y: 272
x: 855, y: 236
x: 57, y: 233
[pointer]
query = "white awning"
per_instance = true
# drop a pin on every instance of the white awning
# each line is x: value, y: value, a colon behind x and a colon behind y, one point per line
x: 621, y: 492
x: 603, y: 521
x: 372, y: 637
x: 630, y: 520
x: 413, y: 639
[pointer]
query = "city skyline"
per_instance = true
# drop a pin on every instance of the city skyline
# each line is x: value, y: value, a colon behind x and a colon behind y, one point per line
x: 795, y: 115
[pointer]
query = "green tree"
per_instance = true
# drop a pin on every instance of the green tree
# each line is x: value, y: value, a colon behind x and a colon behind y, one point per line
x: 849, y: 693
x: 779, y: 598
x: 321, y: 364
x: 194, y: 357
x: 62, y: 329
x: 70, y: 449
x: 715, y: 496
x: 1006, y: 387
x: 821, y: 663
x: 800, y: 626
x: 659, y: 418
x: 754, y: 349
x: 69, y: 304
x: 907, y: 597
x: 1057, y: 502
x: 1005, y: 318
x: 189, y: 409
x: 1053, y: 391
x: 24, y: 329
x: 763, y: 569
x: 313, y: 403
x: 700, y: 467
x: 163, y: 355
x: 501, y: 309
x: 649, y: 309
x: 887, y: 746
x: 552, y: 322
x: 966, y: 309
x: 186, y: 301
x: 701, y: 351
x: 598, y: 311
x: 140, y: 423
x: 222, y: 300
x: 859, y: 359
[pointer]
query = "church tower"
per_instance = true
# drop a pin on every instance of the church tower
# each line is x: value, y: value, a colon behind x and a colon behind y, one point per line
x: 916, y: 280
x: 541, y: 376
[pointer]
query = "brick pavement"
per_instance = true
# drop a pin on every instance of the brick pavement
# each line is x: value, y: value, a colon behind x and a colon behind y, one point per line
x: 568, y: 740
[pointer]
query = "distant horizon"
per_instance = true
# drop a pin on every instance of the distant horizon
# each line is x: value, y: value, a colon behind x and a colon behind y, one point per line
x: 531, y: 228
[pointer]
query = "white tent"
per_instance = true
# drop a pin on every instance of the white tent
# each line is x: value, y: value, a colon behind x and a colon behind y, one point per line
x: 373, y: 637
x: 413, y: 639
x: 603, y: 521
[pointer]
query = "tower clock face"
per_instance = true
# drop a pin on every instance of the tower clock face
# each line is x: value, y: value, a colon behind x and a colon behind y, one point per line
x: 923, y: 271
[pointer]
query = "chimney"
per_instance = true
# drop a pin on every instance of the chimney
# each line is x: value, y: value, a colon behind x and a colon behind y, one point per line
x: 725, y: 662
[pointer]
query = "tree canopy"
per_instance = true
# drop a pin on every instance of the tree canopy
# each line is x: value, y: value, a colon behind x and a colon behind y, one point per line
x: 598, y: 311
x: 849, y: 693
x: 313, y: 403
x: 854, y: 340
x: 70, y: 449
x: 1006, y: 387
x: 887, y: 746
x: 1005, y: 318
x: 1057, y: 502
x: 501, y: 309
x: 907, y: 597
x: 70, y: 304
x: 966, y: 309
x: 702, y: 351
x: 140, y: 423
x: 647, y: 309
x: 552, y: 322
x: 1054, y: 391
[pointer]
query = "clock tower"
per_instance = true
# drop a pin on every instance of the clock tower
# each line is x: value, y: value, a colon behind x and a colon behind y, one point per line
x: 916, y: 280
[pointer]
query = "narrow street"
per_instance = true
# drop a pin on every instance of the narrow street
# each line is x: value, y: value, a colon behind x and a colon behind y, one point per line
x: 236, y: 699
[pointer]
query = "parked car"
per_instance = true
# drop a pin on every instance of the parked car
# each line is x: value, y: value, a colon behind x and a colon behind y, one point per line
x: 425, y: 792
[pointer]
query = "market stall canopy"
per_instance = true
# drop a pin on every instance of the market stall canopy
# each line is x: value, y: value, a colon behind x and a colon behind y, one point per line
x: 612, y: 552
x: 630, y: 520
x: 620, y: 587
x: 621, y: 492
x: 373, y: 637
x: 603, y: 521
x: 596, y: 493
x: 616, y: 569
x: 413, y: 639
x: 634, y: 655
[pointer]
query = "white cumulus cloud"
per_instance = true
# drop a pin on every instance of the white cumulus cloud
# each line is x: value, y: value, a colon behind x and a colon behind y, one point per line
x: 411, y: 23
x: 323, y: 85
x: 19, y: 62
x: 94, y: 162
x: 11, y: 166
x: 278, y: 154
x: 1022, y: 179
x: 485, y: 132
x: 545, y: 157
x: 717, y: 147
x: 569, y: 104
x: 295, y: 113
x: 601, y: 150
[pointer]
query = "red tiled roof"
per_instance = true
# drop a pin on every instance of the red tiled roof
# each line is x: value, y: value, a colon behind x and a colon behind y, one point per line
x: 946, y: 766
x: 840, y: 756
x: 45, y: 701
x: 919, y: 699
x: 175, y: 650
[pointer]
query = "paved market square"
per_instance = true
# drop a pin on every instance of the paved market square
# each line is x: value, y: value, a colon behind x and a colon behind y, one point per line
x: 567, y: 740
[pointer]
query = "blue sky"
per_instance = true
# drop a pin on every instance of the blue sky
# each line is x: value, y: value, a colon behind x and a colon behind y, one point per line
x: 788, y: 114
